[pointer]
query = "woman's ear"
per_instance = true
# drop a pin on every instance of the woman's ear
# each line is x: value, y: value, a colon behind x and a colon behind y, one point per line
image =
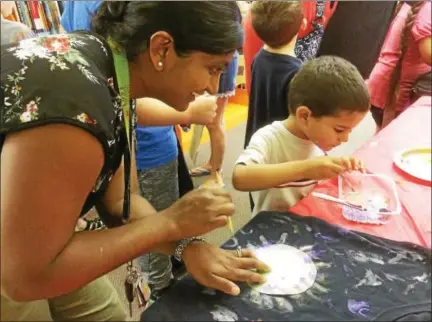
x: 160, y: 46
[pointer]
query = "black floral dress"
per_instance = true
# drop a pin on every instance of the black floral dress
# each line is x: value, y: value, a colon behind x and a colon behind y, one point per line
x: 69, y: 79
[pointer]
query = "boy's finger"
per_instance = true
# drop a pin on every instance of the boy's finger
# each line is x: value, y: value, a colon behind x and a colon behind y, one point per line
x: 347, y: 163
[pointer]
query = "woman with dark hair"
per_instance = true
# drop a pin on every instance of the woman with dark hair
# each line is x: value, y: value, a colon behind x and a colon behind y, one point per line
x: 67, y: 142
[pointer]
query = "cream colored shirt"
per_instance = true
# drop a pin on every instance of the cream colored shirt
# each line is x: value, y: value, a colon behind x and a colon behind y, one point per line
x: 274, y: 144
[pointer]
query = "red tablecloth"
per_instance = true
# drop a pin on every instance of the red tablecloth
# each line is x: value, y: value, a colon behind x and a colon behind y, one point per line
x: 411, y: 129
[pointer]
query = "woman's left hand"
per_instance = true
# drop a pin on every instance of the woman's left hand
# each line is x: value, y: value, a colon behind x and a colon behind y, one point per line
x: 216, y: 268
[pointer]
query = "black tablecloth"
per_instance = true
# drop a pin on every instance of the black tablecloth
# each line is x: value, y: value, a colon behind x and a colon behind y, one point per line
x: 360, y: 278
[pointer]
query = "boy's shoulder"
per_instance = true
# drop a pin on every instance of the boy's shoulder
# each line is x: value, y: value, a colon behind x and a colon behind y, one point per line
x: 277, y: 67
x: 269, y: 132
x: 265, y: 57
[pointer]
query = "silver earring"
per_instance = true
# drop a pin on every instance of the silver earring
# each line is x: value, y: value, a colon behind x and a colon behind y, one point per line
x: 160, y: 64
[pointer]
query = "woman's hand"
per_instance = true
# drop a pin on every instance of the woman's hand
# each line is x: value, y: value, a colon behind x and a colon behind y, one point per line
x: 200, y: 211
x: 216, y: 268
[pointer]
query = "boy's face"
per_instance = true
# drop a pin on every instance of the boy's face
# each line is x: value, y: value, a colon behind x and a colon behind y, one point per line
x: 328, y: 132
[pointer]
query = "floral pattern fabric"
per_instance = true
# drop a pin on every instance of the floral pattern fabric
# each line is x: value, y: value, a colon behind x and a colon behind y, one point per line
x: 68, y: 79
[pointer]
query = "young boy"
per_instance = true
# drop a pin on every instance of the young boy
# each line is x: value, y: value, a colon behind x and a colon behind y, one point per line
x: 327, y: 99
x: 277, y: 24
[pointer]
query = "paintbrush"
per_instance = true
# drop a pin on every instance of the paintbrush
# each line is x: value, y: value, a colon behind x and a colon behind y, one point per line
x: 220, y: 183
x: 347, y: 182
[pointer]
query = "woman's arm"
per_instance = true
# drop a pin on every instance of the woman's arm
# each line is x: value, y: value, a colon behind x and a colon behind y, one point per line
x: 152, y: 112
x: 47, y: 174
x: 424, y: 47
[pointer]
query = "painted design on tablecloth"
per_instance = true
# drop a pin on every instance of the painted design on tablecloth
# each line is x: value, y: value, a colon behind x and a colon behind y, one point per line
x: 262, y: 226
x: 209, y: 291
x: 320, y: 291
x: 232, y: 243
x: 267, y: 302
x: 360, y: 308
x: 358, y: 256
x: 344, y: 232
x: 264, y: 241
x: 397, y: 258
x: 326, y: 238
x: 348, y: 271
x: 281, y: 221
x: 220, y: 313
x: 416, y: 257
x: 283, y: 238
x: 415, y: 280
x: 244, y: 232
x: 370, y: 279
x: 392, y: 278
x: 316, y: 253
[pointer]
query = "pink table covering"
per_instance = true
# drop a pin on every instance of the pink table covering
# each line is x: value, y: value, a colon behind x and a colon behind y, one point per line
x: 411, y: 129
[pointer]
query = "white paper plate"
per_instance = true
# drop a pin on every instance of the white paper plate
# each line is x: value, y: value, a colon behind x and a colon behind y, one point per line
x: 415, y: 162
x: 292, y: 271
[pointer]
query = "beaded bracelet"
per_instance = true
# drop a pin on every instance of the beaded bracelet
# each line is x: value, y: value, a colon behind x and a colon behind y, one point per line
x: 182, y: 244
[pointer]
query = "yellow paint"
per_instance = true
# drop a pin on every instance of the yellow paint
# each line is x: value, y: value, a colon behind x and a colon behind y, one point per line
x: 220, y: 182
x: 235, y: 115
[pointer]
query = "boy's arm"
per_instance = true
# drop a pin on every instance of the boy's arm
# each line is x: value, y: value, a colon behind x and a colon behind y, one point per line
x: 253, y: 170
x: 255, y: 177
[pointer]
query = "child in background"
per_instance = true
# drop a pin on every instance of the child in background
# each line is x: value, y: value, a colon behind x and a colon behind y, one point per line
x: 277, y: 24
x: 227, y: 84
x: 327, y: 99
x: 252, y: 44
x: 404, y: 57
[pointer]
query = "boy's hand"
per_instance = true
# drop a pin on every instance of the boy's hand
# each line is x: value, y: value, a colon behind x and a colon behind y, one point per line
x: 330, y: 167
x: 353, y: 164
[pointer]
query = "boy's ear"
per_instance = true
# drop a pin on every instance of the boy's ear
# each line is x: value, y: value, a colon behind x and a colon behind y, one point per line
x: 303, y: 113
x: 304, y: 24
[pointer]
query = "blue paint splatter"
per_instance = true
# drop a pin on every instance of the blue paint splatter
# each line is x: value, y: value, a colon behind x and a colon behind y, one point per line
x: 360, y: 308
x: 344, y: 231
x: 326, y: 238
x: 316, y: 253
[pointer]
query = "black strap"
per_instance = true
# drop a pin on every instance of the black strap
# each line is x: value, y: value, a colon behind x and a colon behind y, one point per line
x: 127, y: 167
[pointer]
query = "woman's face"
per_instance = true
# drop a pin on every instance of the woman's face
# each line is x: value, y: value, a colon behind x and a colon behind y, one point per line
x: 177, y: 80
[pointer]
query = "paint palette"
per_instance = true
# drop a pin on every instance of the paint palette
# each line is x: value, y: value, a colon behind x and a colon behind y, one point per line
x: 416, y: 162
x: 375, y: 193
x: 292, y: 271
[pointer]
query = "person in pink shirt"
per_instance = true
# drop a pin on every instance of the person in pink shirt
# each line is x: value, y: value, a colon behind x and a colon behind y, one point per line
x: 405, y: 56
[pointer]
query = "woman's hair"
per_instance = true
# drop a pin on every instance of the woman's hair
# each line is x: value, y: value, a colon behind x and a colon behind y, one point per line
x: 212, y: 27
x: 395, y: 77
